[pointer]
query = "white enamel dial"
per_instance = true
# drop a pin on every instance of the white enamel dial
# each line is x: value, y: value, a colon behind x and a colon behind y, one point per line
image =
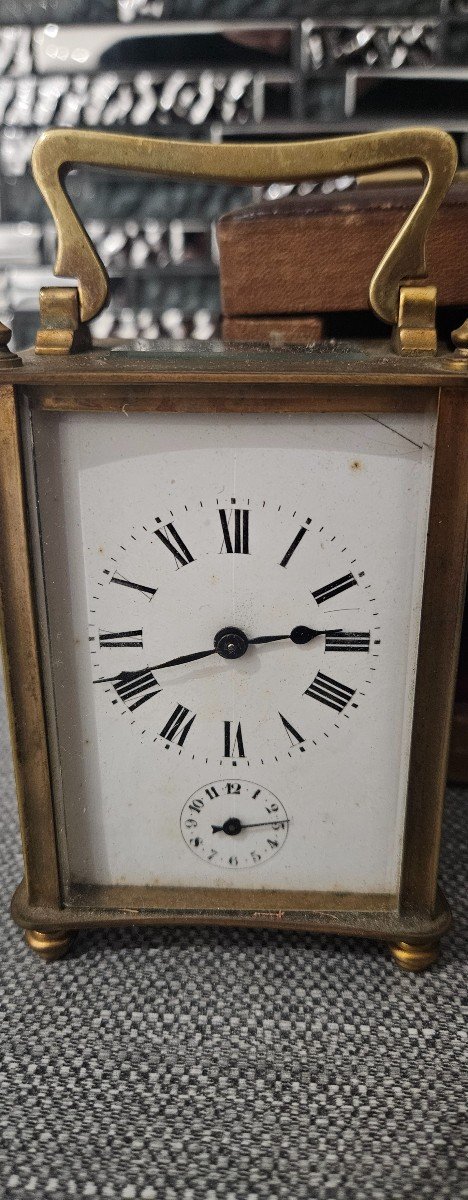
x: 234, y: 823
x: 256, y: 567
x: 231, y: 598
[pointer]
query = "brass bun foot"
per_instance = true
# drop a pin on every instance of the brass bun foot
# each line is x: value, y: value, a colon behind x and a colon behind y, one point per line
x: 415, y: 956
x: 48, y: 944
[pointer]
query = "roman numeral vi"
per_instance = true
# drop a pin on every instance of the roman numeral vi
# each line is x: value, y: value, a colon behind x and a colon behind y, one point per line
x: 233, y: 745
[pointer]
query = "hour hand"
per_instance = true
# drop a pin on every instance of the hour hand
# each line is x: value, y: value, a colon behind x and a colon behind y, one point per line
x: 300, y: 635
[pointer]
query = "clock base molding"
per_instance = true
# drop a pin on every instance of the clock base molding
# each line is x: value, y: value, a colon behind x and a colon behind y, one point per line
x: 413, y: 939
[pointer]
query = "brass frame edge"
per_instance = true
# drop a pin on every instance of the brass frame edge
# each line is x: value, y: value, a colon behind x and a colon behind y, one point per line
x: 22, y: 668
x: 385, y: 926
x: 440, y: 628
x: 419, y: 878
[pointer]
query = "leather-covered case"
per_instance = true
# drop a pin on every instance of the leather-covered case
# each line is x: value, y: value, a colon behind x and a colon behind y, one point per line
x: 304, y: 257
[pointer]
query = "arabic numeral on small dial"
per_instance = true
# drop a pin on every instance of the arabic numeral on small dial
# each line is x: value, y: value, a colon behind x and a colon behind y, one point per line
x: 196, y: 805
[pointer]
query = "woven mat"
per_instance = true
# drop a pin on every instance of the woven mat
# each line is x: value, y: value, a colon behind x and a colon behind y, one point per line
x: 190, y: 1064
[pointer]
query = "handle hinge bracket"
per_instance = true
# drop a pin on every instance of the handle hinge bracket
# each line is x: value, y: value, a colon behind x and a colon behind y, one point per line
x: 61, y: 330
x: 415, y: 332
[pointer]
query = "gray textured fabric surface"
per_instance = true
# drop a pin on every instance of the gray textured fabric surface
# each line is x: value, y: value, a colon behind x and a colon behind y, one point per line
x: 203, y: 1064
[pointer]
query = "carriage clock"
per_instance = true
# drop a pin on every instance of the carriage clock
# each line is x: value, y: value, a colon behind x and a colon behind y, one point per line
x: 232, y: 581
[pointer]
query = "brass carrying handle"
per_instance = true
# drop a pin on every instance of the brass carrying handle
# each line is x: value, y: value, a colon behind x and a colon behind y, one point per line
x: 432, y: 150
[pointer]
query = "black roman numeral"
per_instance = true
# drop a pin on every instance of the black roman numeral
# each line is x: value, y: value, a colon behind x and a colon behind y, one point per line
x: 149, y: 592
x: 334, y: 588
x: 347, y: 641
x: 174, y: 543
x: 295, y: 738
x: 179, y: 723
x: 241, y: 530
x: 330, y: 692
x: 130, y: 637
x: 233, y: 746
x: 294, y: 544
x: 136, y: 687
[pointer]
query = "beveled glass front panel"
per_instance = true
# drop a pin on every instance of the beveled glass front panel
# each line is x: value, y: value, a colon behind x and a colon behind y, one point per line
x: 282, y: 764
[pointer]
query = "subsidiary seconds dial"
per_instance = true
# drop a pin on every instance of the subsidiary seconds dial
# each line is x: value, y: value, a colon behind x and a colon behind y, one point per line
x: 234, y: 823
x: 233, y: 631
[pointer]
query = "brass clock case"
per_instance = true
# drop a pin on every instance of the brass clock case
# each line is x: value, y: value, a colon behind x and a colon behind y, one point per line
x: 371, y: 378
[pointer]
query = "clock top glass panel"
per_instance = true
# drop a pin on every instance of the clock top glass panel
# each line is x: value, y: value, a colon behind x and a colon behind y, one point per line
x: 229, y: 627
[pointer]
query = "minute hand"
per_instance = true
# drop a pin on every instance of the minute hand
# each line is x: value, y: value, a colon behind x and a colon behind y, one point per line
x: 171, y: 662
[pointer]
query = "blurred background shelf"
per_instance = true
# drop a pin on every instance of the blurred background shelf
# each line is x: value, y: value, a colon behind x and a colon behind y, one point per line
x: 266, y: 70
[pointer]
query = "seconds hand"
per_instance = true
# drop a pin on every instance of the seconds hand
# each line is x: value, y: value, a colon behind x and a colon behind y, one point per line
x: 229, y: 643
